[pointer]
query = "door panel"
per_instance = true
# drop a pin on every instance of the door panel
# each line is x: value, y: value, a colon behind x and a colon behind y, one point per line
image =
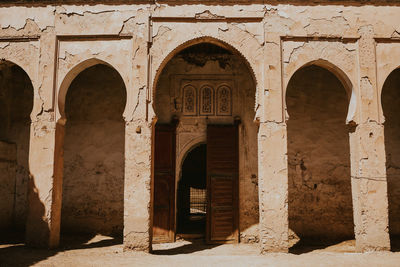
x: 222, y: 183
x: 164, y: 184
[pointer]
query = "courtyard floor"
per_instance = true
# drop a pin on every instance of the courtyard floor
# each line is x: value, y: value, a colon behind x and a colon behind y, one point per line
x: 106, y: 251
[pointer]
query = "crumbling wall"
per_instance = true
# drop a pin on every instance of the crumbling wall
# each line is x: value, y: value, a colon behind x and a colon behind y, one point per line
x: 16, y: 100
x: 215, y: 64
x: 320, y: 198
x: 93, y: 187
x: 391, y: 111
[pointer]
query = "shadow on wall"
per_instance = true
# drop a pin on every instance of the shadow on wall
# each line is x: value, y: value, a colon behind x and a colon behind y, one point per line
x: 391, y: 111
x: 13, y: 251
x: 320, y: 198
x: 16, y: 103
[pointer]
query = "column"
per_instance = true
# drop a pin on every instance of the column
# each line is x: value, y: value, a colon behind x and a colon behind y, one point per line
x: 273, y: 187
x: 367, y: 148
x: 272, y: 153
x: 137, y: 203
x: 45, y: 156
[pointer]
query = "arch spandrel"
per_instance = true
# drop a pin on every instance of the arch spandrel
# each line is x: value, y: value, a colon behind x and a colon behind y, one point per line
x: 72, y: 73
x: 339, y: 60
x: 168, y: 45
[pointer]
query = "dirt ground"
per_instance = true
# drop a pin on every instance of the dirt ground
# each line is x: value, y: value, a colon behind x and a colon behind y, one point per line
x: 106, y: 251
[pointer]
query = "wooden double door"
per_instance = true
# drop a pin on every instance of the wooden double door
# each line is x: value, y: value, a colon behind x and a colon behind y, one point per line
x: 222, y: 184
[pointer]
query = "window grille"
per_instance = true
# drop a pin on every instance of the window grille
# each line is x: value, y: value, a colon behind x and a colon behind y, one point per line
x: 198, y: 201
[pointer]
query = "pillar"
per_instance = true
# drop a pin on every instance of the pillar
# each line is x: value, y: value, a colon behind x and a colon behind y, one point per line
x: 272, y: 153
x: 273, y: 187
x: 45, y: 155
x: 45, y: 184
x: 369, y: 187
x: 367, y: 148
x: 137, y: 203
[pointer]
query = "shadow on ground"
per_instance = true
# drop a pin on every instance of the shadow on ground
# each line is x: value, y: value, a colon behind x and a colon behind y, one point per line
x: 12, y: 247
x: 309, y: 245
x: 184, y: 247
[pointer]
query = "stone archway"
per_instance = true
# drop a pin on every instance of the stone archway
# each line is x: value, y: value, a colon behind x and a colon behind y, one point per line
x: 391, y: 109
x: 206, y: 83
x: 16, y: 103
x: 94, y: 147
x: 320, y: 194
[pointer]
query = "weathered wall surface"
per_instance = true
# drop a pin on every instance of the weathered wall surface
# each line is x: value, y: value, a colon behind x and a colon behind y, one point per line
x: 320, y: 201
x: 203, y: 65
x: 16, y: 101
x: 53, y: 43
x: 93, y: 187
x: 391, y: 109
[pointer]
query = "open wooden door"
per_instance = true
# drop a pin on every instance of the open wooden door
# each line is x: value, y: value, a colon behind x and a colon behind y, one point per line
x: 164, y: 184
x: 222, y: 184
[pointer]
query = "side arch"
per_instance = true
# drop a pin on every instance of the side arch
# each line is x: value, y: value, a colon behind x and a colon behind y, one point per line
x: 381, y: 91
x: 71, y: 75
x: 340, y: 74
x: 36, y: 105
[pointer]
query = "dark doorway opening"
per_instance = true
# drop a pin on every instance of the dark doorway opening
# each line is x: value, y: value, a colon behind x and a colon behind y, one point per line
x: 320, y: 199
x: 93, y: 182
x: 16, y: 103
x: 391, y: 109
x: 192, y: 194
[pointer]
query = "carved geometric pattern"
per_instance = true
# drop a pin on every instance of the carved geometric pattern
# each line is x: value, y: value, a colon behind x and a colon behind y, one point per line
x: 189, y: 100
x: 224, y: 101
x: 206, y: 100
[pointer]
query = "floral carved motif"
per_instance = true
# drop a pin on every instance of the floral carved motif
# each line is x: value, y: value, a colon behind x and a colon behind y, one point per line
x: 224, y: 101
x: 189, y: 100
x: 207, y: 100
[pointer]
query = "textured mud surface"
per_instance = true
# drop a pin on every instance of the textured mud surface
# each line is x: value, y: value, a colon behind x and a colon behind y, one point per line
x: 105, y: 251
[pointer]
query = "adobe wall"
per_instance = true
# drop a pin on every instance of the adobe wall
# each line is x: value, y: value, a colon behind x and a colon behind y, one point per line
x: 359, y: 43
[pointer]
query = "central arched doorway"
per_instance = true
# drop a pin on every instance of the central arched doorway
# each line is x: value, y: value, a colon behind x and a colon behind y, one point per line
x: 205, y: 145
x: 192, y: 194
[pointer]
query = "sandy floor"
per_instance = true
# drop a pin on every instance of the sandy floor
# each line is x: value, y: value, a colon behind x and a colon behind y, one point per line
x: 106, y: 251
